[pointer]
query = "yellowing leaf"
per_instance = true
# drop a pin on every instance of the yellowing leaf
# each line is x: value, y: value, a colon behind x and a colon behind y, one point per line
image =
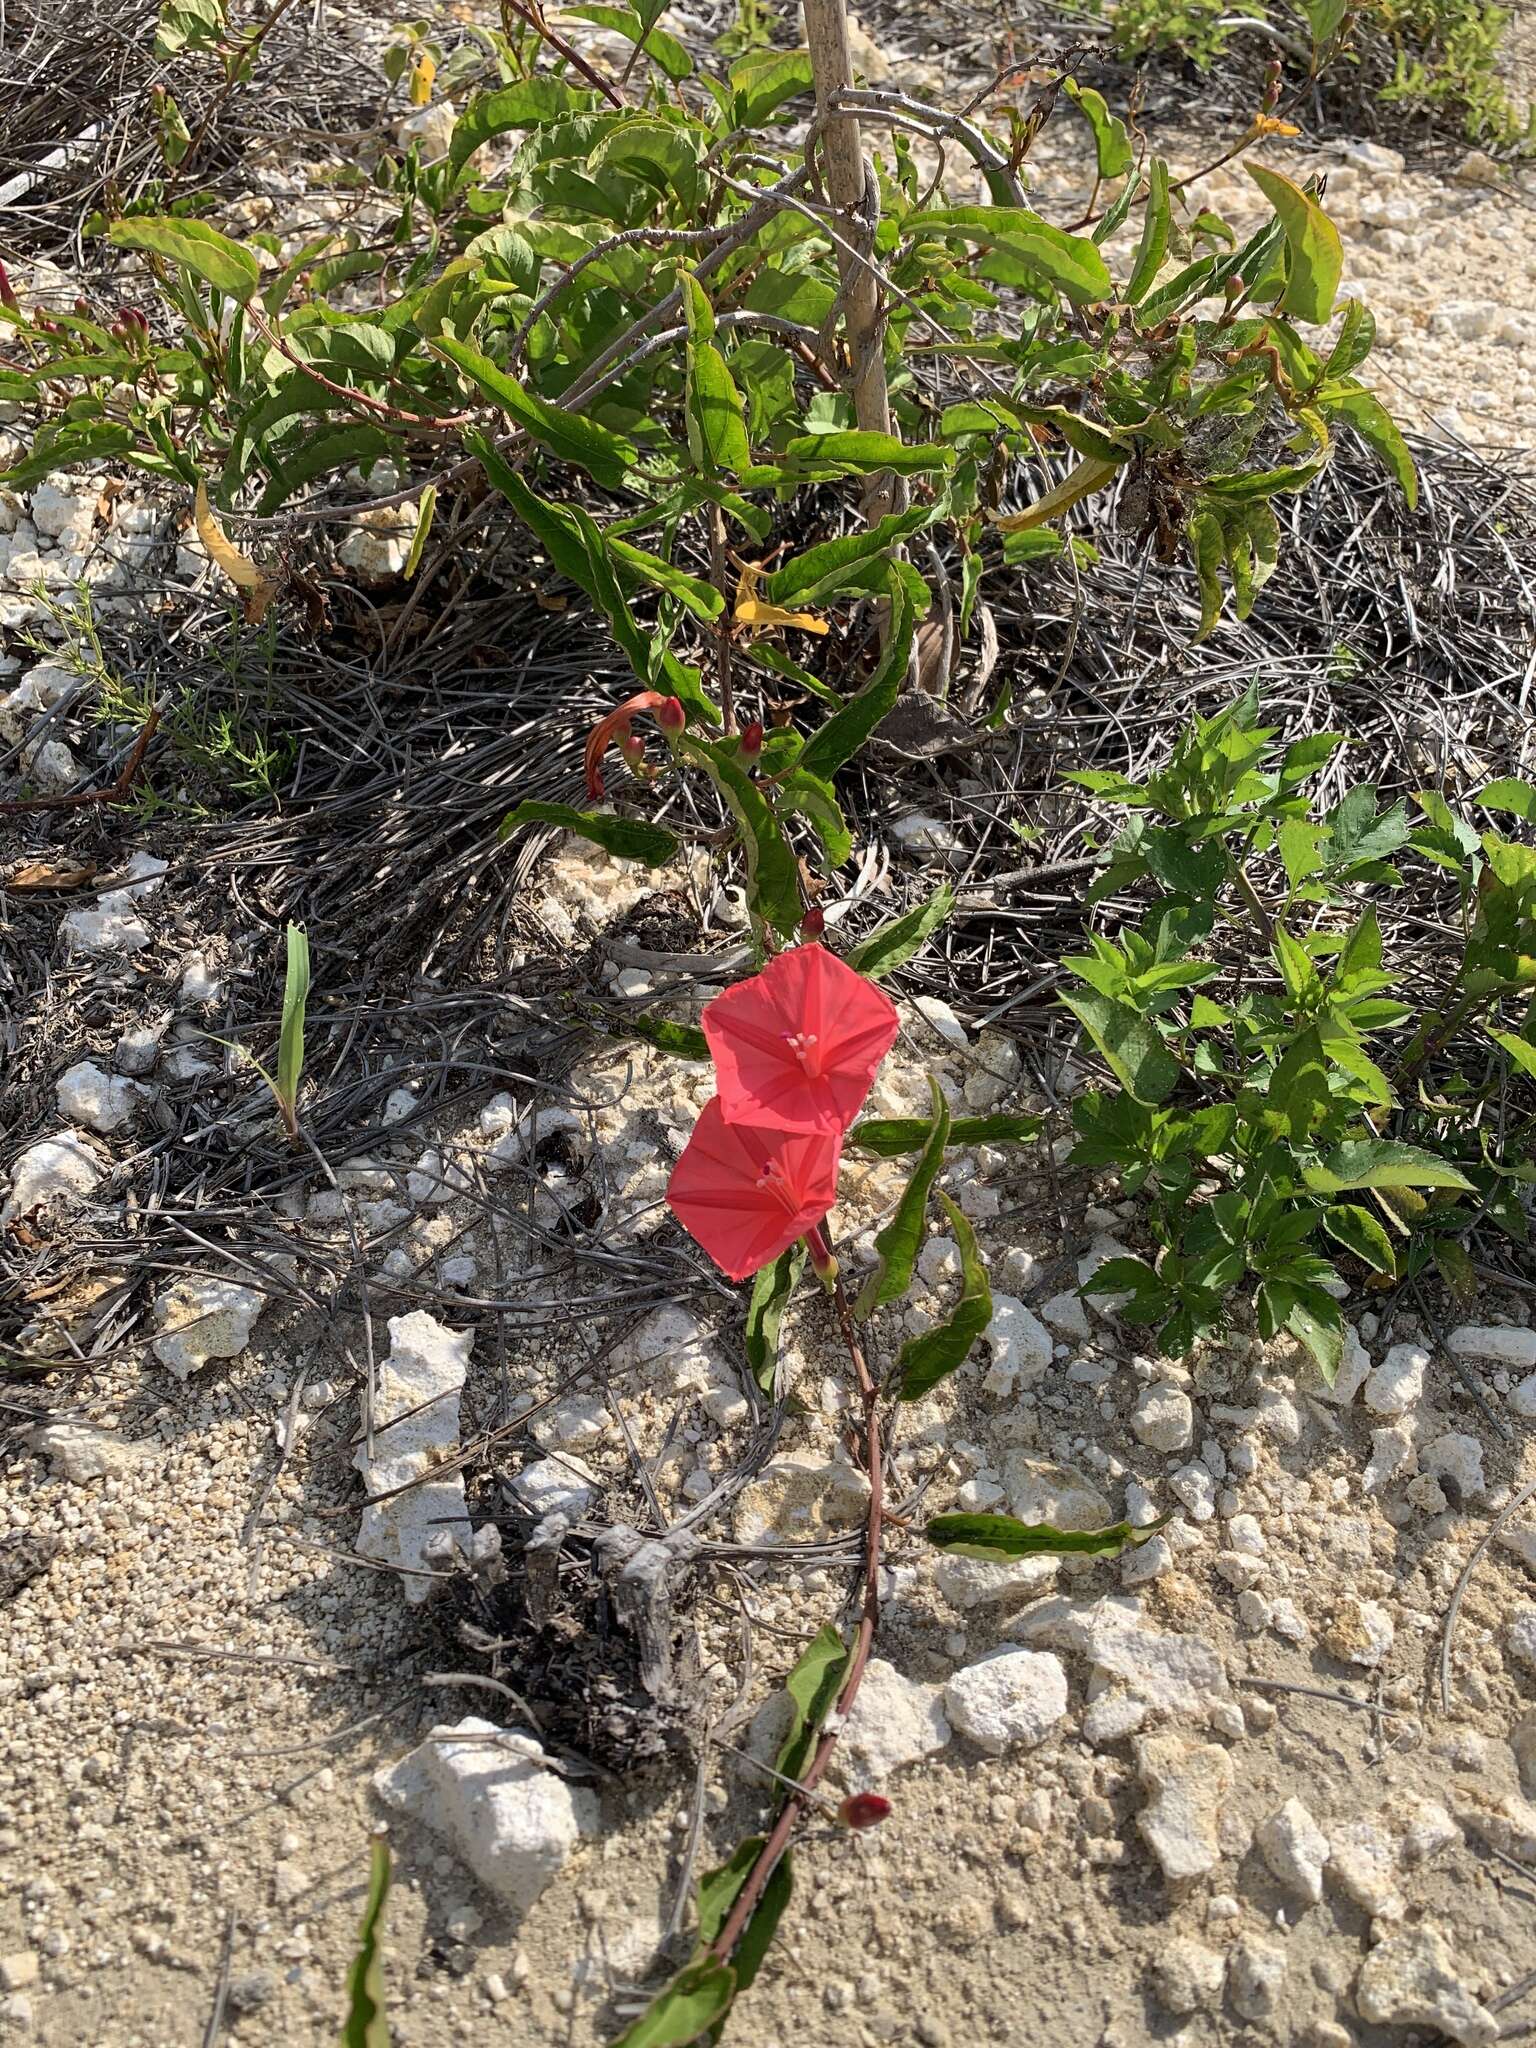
x: 422, y: 75
x: 1088, y: 475
x: 241, y: 571
x: 752, y: 611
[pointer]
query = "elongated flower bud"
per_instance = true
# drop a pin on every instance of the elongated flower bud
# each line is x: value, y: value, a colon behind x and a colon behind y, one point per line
x: 814, y: 923
x: 8, y: 296
x: 864, y: 1810
x: 670, y: 715
x: 751, y: 741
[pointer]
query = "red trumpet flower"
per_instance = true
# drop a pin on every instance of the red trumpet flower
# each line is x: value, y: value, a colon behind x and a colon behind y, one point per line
x: 796, y: 1047
x: 670, y: 716
x: 746, y: 1194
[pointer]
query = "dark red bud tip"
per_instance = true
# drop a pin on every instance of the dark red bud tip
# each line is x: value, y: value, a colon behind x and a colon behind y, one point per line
x: 83, y: 308
x: 670, y: 715
x: 752, y: 739
x: 863, y: 1810
x: 814, y: 923
x: 1235, y: 287
x: 7, y: 291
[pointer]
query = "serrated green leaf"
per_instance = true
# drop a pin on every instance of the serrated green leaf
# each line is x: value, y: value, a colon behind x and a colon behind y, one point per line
x: 813, y: 1687
x: 773, y: 1289
x: 627, y: 838
x: 892, y: 1136
x: 1316, y: 253
x: 1001, y: 1536
x: 367, y: 2024
x: 928, y: 1359
x: 900, y: 1241
x: 1129, y: 1042
x: 199, y: 248
x: 892, y: 944
x: 1381, y: 1163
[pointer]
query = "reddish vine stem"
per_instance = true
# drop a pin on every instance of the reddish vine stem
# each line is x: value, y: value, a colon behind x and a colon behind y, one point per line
x: 533, y: 17
x: 115, y: 793
x: 794, y: 1805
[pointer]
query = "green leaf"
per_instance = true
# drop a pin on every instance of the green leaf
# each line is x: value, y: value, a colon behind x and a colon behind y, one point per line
x: 1154, y: 234
x: 850, y: 451
x: 683, y: 1041
x: 773, y: 1289
x: 56, y: 445
x: 832, y: 566
x: 1298, y: 970
x: 926, y: 1360
x: 1378, y: 430
x: 899, y: 1242
x: 1381, y: 1163
x: 627, y: 838
x: 813, y: 1687
x: 764, y: 79
x: 667, y: 51
x: 1129, y: 1042
x: 840, y: 738
x: 290, y: 1044
x: 424, y: 518
x: 717, y: 421
x: 1317, y: 254
x: 1111, y: 142
x: 1361, y: 1233
x: 528, y: 104
x: 366, y: 2024
x: 719, y: 1891
x: 1520, y: 1050
x: 1316, y: 1320
x: 201, y: 249
x: 1510, y: 794
x: 812, y: 798
x: 1072, y: 263
x: 1000, y: 1536
x: 698, y: 1997
x: 1357, y: 336
x: 892, y: 1136
x: 773, y: 877
x: 892, y: 944
x: 1208, y: 545
x: 607, y: 457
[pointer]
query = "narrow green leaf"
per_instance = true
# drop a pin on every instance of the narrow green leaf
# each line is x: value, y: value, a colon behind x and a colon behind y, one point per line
x: 290, y: 1043
x: 813, y: 1687
x: 812, y: 798
x: 199, y: 248
x: 1129, y: 1042
x: 892, y: 944
x: 1317, y: 254
x: 773, y: 1289
x: 1381, y: 1163
x: 698, y: 1997
x: 900, y: 1241
x: 1072, y: 263
x: 1000, y: 1536
x: 627, y: 838
x: 719, y: 1891
x: 1361, y: 1233
x: 366, y: 2024
x: 666, y: 51
x: 683, y: 1041
x: 423, y: 528
x: 892, y: 1136
x: 773, y: 877
x: 1520, y: 1050
x: 840, y: 738
x: 570, y: 436
x: 937, y: 1353
x: 1357, y: 336
x: 717, y: 419
x: 1207, y: 544
x: 1155, y: 228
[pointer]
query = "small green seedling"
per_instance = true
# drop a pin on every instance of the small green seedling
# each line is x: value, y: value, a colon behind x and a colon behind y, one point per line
x: 366, y: 2024
x: 290, y: 1044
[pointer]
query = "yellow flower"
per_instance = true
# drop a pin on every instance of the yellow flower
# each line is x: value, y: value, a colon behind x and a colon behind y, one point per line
x: 1266, y: 124
x: 751, y: 611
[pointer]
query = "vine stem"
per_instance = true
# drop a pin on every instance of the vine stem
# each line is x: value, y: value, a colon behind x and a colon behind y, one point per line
x: 772, y: 1851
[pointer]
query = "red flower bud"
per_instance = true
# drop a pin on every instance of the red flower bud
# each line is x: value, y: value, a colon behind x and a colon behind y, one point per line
x: 751, y: 740
x: 632, y: 747
x: 670, y: 715
x: 83, y: 308
x: 813, y: 924
x: 8, y: 296
x: 863, y: 1810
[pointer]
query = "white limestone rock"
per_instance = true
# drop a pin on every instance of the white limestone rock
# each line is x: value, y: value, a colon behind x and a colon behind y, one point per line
x: 1163, y: 1418
x: 1363, y: 1864
x: 488, y: 1795
x: 199, y: 1319
x: 1021, y: 1346
x: 895, y: 1721
x: 1397, y: 1384
x: 560, y: 1485
x: 1256, y: 1978
x: 114, y: 925
x: 1296, y: 1849
x: 1456, y: 1456
x: 1008, y: 1698
x: 82, y: 1451
x: 415, y: 1428
x: 971, y: 1582
x: 1412, y: 1979
x: 1359, y: 1632
x: 101, y: 1101
x: 798, y: 1497
x: 1495, y: 1345
x: 62, y: 1169
x: 1188, y: 1784
x: 1187, y: 1976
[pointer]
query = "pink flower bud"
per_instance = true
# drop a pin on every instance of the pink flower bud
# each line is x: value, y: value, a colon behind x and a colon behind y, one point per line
x: 670, y: 715
x: 863, y: 1810
x: 751, y: 741
x: 8, y: 296
x: 813, y: 924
